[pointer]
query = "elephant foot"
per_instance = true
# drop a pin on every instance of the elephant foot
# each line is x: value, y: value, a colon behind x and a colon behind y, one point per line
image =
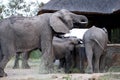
x: 103, y: 71
x: 50, y: 69
x: 89, y: 71
x: 96, y: 71
x: 45, y: 71
x: 82, y: 71
x: 2, y: 73
x: 26, y: 67
x: 46, y: 68
x: 15, y: 67
x: 68, y: 70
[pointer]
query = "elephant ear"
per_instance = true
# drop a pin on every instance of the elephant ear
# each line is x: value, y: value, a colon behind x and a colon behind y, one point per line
x: 58, y: 24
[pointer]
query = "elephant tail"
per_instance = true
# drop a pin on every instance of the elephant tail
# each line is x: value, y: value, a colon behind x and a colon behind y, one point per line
x: 99, y: 44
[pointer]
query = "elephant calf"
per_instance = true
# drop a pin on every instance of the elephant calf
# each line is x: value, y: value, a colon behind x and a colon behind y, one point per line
x: 95, y: 41
x: 64, y: 51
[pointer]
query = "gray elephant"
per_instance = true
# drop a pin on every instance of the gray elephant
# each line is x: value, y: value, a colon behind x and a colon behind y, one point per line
x: 22, y: 34
x: 95, y: 42
x: 62, y: 49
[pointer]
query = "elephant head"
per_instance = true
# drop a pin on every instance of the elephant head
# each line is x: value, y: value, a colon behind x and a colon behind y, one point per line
x: 62, y: 21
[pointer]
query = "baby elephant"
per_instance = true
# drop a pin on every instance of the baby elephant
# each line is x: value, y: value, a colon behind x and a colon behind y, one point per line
x: 95, y: 41
x: 63, y: 50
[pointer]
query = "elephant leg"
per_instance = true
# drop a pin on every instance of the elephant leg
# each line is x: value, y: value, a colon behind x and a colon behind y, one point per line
x: 8, y: 52
x: 97, y: 53
x: 25, y: 57
x: 1, y: 55
x: 48, y: 56
x: 89, y: 54
x: 96, y: 62
x: 3, y: 64
x: 47, y: 62
x: 103, y: 62
x: 82, y: 59
x: 68, y: 63
x: 16, y: 63
x: 62, y: 63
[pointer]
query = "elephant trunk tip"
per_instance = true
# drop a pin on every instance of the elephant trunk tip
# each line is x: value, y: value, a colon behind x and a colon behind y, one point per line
x: 84, y: 20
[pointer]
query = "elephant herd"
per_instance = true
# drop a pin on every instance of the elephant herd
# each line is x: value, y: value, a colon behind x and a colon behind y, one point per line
x: 23, y: 34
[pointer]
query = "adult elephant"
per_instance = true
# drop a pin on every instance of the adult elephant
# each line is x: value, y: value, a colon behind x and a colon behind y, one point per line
x: 95, y: 41
x: 22, y: 34
x: 63, y: 50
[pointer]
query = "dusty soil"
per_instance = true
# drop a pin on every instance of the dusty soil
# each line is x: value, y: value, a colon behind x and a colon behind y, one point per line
x: 33, y: 74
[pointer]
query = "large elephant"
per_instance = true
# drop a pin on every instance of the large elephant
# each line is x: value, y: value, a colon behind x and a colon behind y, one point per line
x: 62, y: 49
x: 95, y: 42
x: 22, y: 34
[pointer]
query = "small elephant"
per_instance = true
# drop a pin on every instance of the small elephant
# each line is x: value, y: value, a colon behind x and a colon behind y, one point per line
x: 22, y: 34
x: 64, y: 51
x: 95, y: 42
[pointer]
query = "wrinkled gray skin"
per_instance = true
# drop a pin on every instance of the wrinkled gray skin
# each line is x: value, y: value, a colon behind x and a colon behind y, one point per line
x: 62, y: 49
x: 95, y: 41
x: 23, y: 34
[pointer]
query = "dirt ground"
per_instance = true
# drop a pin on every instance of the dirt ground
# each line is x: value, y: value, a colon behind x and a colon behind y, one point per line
x: 33, y: 74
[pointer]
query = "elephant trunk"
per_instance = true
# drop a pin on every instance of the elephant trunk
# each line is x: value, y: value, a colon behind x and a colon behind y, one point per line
x: 84, y: 21
x: 81, y: 21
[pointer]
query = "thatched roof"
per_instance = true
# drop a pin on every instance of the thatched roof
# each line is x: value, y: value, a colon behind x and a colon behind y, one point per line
x: 99, y: 12
x: 87, y: 6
